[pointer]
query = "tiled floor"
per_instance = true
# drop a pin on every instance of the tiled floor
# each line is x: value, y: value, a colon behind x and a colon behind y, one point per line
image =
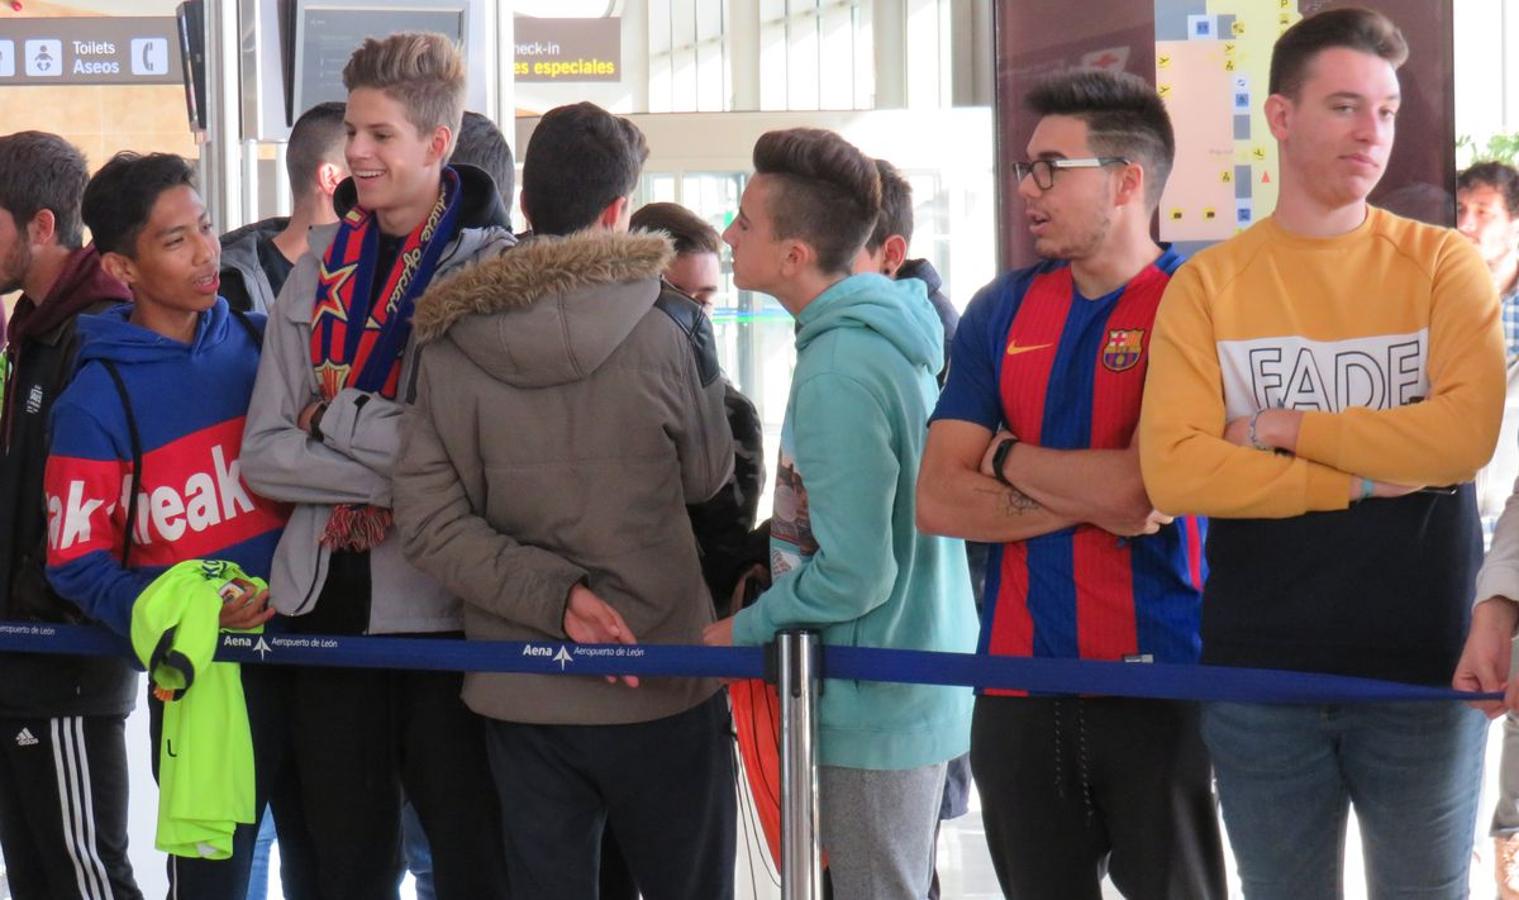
x: 966, y: 873
x: 964, y: 867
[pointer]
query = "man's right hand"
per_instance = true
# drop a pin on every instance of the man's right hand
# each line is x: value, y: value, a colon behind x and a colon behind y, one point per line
x: 1484, y: 664
x: 1379, y: 489
x: 1387, y: 489
x: 303, y: 421
x: 1136, y: 524
x: 588, y: 619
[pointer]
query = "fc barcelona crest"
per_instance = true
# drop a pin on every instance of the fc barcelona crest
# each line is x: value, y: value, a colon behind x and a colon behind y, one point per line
x: 1123, y: 349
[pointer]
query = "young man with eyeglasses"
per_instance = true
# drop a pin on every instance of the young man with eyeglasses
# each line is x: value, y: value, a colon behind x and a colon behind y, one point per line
x: 1031, y: 448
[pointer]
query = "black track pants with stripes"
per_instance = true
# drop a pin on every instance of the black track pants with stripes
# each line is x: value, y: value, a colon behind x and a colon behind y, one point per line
x: 63, y: 808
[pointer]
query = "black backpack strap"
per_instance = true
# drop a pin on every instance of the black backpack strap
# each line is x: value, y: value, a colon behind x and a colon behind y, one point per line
x: 255, y: 333
x: 136, y: 438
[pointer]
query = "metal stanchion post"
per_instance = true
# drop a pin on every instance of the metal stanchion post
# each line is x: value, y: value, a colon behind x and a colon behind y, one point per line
x: 797, y: 664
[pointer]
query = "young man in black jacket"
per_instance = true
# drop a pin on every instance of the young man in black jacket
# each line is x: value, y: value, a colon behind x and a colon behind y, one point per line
x: 257, y: 258
x: 887, y: 247
x: 723, y: 523
x: 63, y: 765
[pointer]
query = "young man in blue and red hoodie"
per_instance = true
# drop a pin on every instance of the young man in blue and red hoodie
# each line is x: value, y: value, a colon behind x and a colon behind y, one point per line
x: 156, y: 409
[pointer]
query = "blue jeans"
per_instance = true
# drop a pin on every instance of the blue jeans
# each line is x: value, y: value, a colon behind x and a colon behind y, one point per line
x: 1288, y: 775
x: 417, y: 853
x: 258, y: 873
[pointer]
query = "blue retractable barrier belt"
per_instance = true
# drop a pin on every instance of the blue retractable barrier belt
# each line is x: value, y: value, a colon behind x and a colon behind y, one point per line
x: 1044, y: 676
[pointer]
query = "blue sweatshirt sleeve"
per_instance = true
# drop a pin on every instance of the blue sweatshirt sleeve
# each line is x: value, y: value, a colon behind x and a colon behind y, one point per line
x: 844, y: 453
x: 83, y: 485
x: 971, y: 392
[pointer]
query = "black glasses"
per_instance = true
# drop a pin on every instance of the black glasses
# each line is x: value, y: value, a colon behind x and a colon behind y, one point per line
x: 1044, y: 170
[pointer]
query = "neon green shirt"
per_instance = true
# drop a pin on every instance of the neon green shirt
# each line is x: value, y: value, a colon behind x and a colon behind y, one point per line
x: 205, y: 769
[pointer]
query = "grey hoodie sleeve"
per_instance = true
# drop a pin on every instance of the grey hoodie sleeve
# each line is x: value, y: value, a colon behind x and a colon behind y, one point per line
x: 279, y: 460
x: 445, y: 536
x: 364, y: 427
x: 1499, y: 576
x: 702, y: 435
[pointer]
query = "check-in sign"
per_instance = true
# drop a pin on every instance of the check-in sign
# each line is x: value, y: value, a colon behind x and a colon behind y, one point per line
x: 568, y: 50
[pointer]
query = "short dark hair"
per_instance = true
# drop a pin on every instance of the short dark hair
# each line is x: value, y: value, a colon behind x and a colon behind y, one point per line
x: 119, y: 200
x: 1354, y: 27
x: 1501, y: 177
x: 685, y: 228
x: 579, y: 159
x: 1123, y: 114
x: 828, y: 192
x: 482, y: 145
x: 41, y: 171
x: 896, y: 207
x: 317, y: 137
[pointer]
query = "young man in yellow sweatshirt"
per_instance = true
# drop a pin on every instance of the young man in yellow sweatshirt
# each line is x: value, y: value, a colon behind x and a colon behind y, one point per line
x: 1324, y: 386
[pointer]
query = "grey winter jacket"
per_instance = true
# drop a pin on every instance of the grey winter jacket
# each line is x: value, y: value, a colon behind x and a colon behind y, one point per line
x: 240, y: 261
x: 361, y: 437
x: 567, y: 410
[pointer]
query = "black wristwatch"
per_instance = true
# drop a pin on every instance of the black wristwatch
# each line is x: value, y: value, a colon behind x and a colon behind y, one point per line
x: 316, y: 422
x: 999, y: 459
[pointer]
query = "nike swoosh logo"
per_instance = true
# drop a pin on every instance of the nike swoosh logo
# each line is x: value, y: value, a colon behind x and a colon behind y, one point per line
x: 1013, y: 349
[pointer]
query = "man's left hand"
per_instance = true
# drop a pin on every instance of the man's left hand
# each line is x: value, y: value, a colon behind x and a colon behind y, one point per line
x: 1276, y: 429
x: 719, y: 633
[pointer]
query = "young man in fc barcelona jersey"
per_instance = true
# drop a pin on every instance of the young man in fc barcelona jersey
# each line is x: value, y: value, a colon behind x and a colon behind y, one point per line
x: 1031, y: 448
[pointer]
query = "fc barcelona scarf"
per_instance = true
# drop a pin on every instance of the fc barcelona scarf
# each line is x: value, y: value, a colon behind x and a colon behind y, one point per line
x: 359, y: 335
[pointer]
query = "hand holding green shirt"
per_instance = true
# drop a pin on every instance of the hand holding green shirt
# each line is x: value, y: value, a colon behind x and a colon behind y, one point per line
x: 205, y: 775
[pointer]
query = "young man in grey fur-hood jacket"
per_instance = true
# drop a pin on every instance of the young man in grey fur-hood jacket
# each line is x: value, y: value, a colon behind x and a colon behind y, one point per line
x: 569, y: 406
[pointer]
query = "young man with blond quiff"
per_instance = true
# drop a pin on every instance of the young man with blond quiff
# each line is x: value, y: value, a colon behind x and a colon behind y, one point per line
x: 323, y: 434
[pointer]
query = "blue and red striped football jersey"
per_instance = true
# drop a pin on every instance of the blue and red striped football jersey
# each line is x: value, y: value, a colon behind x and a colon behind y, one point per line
x: 1066, y: 372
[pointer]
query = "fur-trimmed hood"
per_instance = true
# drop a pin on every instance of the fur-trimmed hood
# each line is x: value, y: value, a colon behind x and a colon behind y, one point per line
x: 552, y: 309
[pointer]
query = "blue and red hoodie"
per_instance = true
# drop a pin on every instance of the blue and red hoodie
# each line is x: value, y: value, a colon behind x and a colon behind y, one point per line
x: 189, y: 401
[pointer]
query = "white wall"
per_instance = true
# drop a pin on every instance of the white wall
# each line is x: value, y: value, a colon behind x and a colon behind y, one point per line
x: 1487, y: 73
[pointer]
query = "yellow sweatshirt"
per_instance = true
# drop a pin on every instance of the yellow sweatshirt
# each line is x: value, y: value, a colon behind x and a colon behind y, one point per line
x: 1388, y: 337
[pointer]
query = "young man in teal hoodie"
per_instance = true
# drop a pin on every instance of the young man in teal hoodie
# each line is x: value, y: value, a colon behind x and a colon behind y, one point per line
x: 845, y: 556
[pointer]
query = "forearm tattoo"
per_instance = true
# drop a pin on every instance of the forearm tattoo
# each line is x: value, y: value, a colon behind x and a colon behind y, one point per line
x: 1015, y: 503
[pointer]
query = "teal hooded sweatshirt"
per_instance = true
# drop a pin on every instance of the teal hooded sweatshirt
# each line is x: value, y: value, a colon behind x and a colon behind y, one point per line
x: 846, y: 555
